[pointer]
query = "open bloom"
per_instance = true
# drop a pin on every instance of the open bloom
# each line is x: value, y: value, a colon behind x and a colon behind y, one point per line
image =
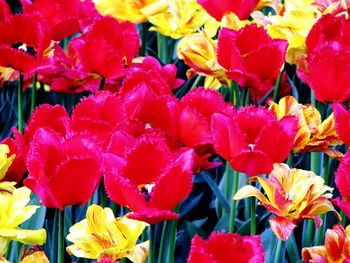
x: 151, y: 189
x: 326, y: 66
x: 242, y: 57
x: 335, y: 249
x: 226, y: 248
x: 292, y: 23
x: 343, y: 184
x: 101, y: 236
x: 218, y: 8
x: 312, y: 135
x: 245, y: 139
x: 14, y: 211
x: 133, y: 11
x: 291, y: 195
x: 342, y: 122
x: 198, y: 50
x: 181, y: 18
x: 23, y: 41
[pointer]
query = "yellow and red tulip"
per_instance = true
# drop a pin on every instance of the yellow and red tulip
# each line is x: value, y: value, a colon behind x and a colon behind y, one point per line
x: 312, y: 135
x: 292, y: 195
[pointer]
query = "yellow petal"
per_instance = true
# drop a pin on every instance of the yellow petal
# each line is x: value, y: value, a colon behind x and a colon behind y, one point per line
x: 30, y: 237
x: 249, y: 191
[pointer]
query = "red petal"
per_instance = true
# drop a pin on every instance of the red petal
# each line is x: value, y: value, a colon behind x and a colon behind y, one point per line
x: 251, y: 162
x: 228, y: 139
x: 342, y: 177
x: 153, y: 216
x: 282, y: 227
x: 50, y: 117
x: 175, y: 184
x: 120, y: 189
x: 342, y: 122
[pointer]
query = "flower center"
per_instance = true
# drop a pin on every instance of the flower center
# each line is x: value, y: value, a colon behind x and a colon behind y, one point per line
x: 251, y: 146
x: 145, y: 190
x: 24, y: 48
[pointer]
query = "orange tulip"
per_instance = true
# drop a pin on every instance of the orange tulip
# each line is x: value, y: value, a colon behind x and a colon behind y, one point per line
x: 336, y: 248
x: 313, y: 135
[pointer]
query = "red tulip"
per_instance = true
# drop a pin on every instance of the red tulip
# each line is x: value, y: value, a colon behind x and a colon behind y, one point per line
x: 196, y: 111
x: 242, y: 57
x: 342, y: 181
x: 107, y: 48
x: 62, y: 18
x: 22, y: 42
x: 146, y: 110
x: 253, y: 139
x: 150, y: 179
x: 99, y: 116
x: 342, y: 122
x: 53, y: 118
x: 59, y: 165
x: 149, y: 71
x: 217, y: 8
x: 326, y: 66
x: 226, y: 248
x: 63, y: 74
x: 17, y: 146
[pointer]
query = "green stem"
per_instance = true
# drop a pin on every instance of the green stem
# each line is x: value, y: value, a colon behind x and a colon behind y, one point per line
x: 152, y: 230
x: 233, y: 203
x: 102, y: 195
x: 245, y: 97
x: 322, y: 229
x: 20, y: 102
x: 253, y: 217
x: 143, y: 39
x: 162, y: 242
x: 173, y: 237
x: 33, y: 103
x: 8, y: 250
x: 310, y: 225
x: 196, y: 82
x: 162, y: 48
x: 227, y: 183
x: 60, y: 250
x: 279, y: 255
x: 277, y: 87
x: 102, y: 83
x: 289, y: 160
x: 343, y: 218
x: 235, y: 99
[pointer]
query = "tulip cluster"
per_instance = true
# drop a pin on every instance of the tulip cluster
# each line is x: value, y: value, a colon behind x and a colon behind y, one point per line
x: 156, y: 99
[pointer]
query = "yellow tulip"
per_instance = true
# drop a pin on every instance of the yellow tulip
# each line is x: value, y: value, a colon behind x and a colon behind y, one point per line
x: 198, y: 51
x: 102, y: 236
x: 291, y: 195
x: 181, y: 18
x: 136, y: 11
x: 313, y: 135
x: 13, y: 212
x: 5, y: 160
